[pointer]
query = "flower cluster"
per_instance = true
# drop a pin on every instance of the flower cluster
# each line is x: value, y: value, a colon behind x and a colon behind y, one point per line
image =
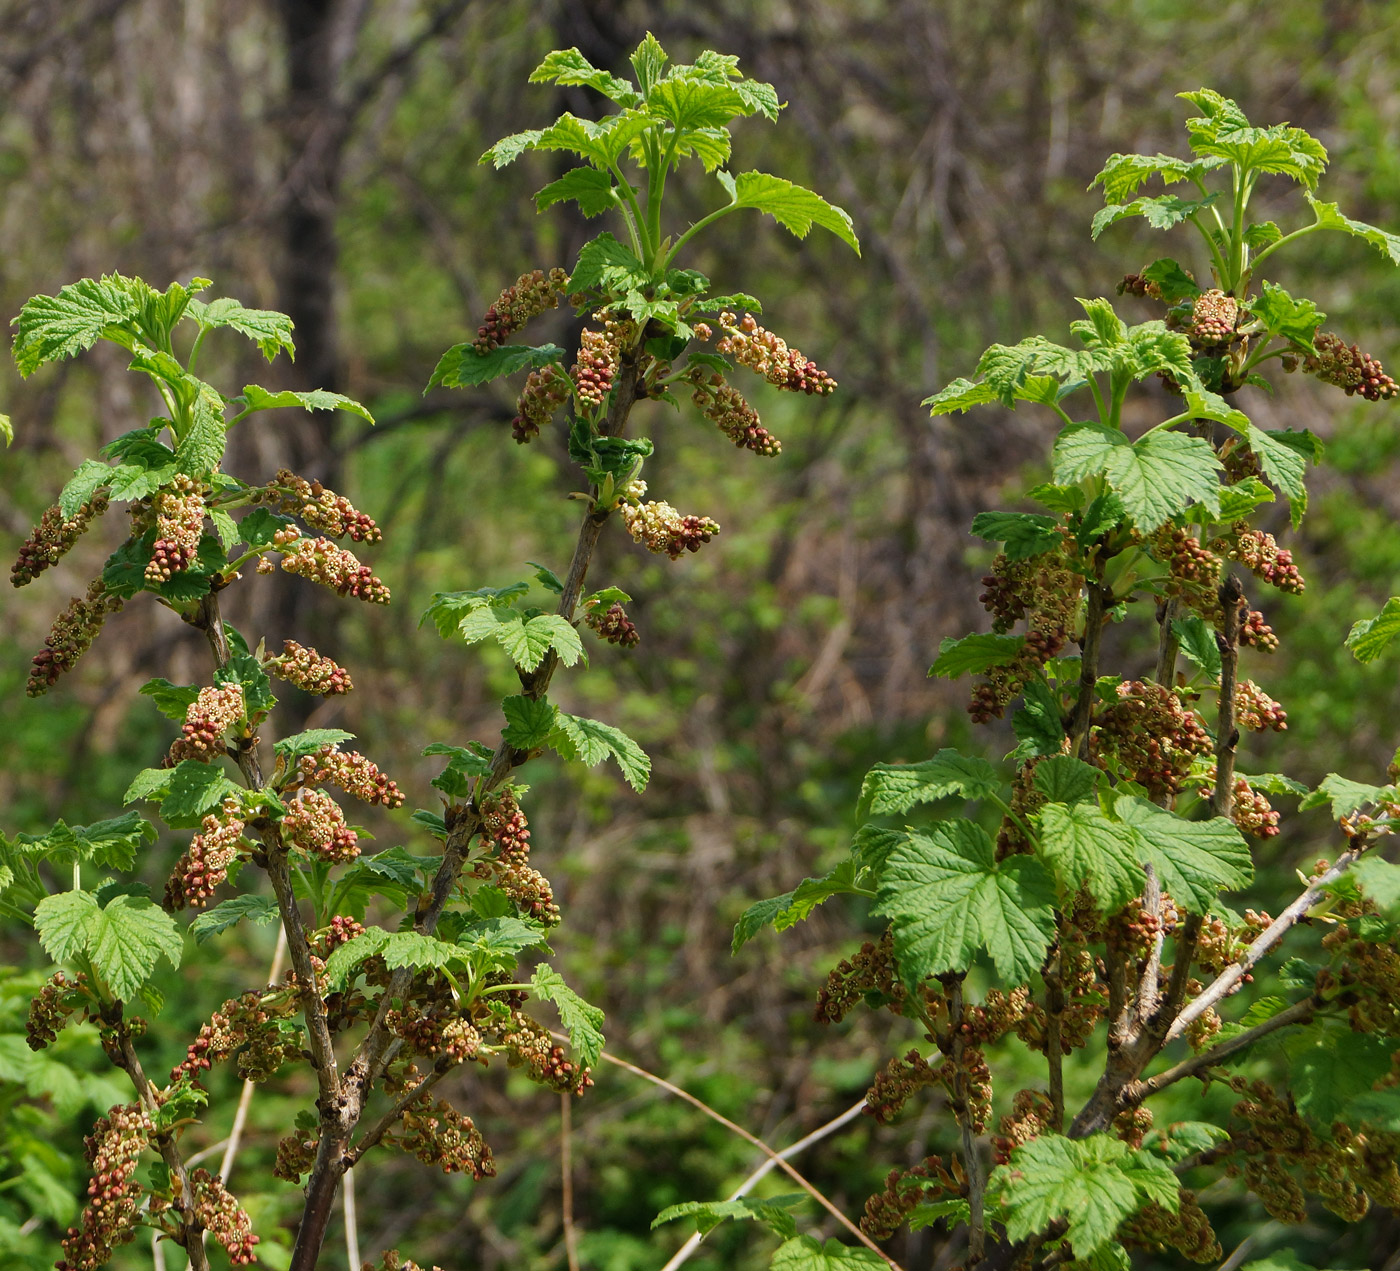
x: 53, y: 537
x: 660, y: 528
x: 249, y: 1027
x: 528, y: 1045
x: 207, y: 719
x: 436, y: 1133
x: 895, y: 1084
x: 1257, y: 634
x: 1258, y: 551
x: 1371, y: 974
x: 725, y: 407
x: 223, y: 1217
x: 1151, y: 735
x: 204, y: 866
x: 310, y: 671
x: 179, y: 527
x: 321, y: 561
x: 1252, y: 812
x: 546, y: 389
x: 353, y: 773
x: 1188, y: 1230
x: 315, y: 823
x: 50, y: 1009
x: 593, y: 372
x: 853, y: 981
x: 1194, y: 570
x: 505, y: 825
x: 320, y: 508
x: 112, y: 1212
x: 71, y: 636
x: 433, y: 1034
x: 1256, y: 710
x: 906, y: 1190
x: 612, y: 624
x: 526, y: 298
x: 1349, y: 368
x: 1213, y: 317
x: 1031, y: 1116
x: 296, y: 1154
x: 530, y: 890
x: 768, y: 355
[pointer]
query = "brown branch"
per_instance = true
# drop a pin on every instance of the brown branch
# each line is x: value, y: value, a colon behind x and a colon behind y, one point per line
x: 566, y: 1171
x: 380, y: 1128
x: 1054, y: 1041
x: 962, y: 1113
x: 1083, y: 716
x: 1227, y: 735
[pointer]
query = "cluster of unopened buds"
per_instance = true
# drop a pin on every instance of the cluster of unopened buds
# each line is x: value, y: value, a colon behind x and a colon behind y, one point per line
x: 112, y: 1211
x: 1187, y: 1230
x: 437, y: 1134
x: 179, y: 526
x: 321, y: 561
x: 546, y: 389
x: 895, y: 1084
x: 1252, y: 812
x: 1214, y: 316
x: 213, y: 712
x: 246, y: 1025
x: 351, y: 772
x: 310, y: 671
x: 204, y: 865
x: 768, y: 355
x: 594, y: 370
x: 1347, y: 367
x: 526, y: 298
x: 1260, y: 553
x: 869, y: 971
x: 222, y: 1217
x: 660, y: 528
x: 530, y: 890
x: 341, y: 931
x: 905, y: 1191
x: 434, y: 1034
x: 50, y: 1008
x: 612, y: 624
x: 1256, y: 633
x: 51, y: 539
x: 315, y: 823
x: 1132, y: 1124
x: 1032, y: 1114
x: 725, y: 407
x: 296, y: 1154
x: 320, y: 508
x: 1256, y: 710
x: 1152, y: 735
x: 71, y: 636
x: 1189, y: 562
x: 504, y: 824
x: 528, y: 1045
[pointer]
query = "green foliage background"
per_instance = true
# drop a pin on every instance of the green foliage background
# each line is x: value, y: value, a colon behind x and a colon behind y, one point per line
x: 166, y: 138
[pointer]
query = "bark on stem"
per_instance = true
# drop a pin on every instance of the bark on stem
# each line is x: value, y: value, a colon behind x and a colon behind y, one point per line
x: 1083, y: 716
x: 962, y: 1112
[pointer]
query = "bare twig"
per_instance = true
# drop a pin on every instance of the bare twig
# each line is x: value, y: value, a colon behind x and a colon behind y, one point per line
x: 682, y: 1254
x: 1083, y: 716
x: 386, y: 1123
x: 352, y: 1229
x: 962, y: 1111
x: 566, y: 1169
x: 767, y: 1151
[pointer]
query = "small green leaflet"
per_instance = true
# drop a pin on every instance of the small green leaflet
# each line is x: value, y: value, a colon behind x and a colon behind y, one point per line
x: 91, y: 474
x: 1086, y: 849
x: 590, y: 741
x: 7, y: 429
x: 202, y: 448
x: 112, y: 843
x: 569, y: 66
x: 975, y: 653
x: 1329, y: 217
x: 1038, y: 724
x: 590, y: 188
x: 124, y: 940
x: 292, y: 748
x: 1370, y: 637
x: 948, y: 899
x: 1091, y: 1184
x: 465, y: 764
x: 583, y: 1023
x: 1024, y: 534
x: 1194, y: 859
x: 792, y: 907
x: 269, y: 330
x: 463, y: 367
x: 195, y: 790
x: 1172, y: 280
x: 601, y: 256
x: 1295, y: 320
x: 397, y: 948
x: 1347, y: 797
x: 1160, y: 474
x: 171, y: 700
x: 894, y: 788
x: 706, y: 1215
x: 259, y: 910
x: 1064, y: 779
x: 927, y: 1214
x: 1122, y: 174
x: 53, y: 327
x: 525, y: 640
x: 806, y: 1253
x: 795, y: 208
x: 256, y: 398
x: 529, y: 721
x: 1197, y: 642
x: 1161, y: 212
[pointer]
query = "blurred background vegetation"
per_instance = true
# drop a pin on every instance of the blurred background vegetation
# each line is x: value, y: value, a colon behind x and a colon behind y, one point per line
x: 319, y: 157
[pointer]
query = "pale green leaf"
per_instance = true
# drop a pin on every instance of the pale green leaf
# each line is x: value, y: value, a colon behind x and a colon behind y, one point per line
x: 80, y: 487
x: 806, y: 1253
x: 52, y: 327
x: 706, y: 1215
x: 975, y: 653
x: 66, y: 923
x: 569, y: 66
x: 590, y: 188
x: 795, y: 208
x: 1086, y: 849
x: 1024, y: 534
x: 894, y: 788
x: 128, y: 937
x: 202, y: 448
x: 583, y: 1022
x: 269, y: 330
x: 1194, y: 859
x: 787, y: 910
x: 463, y: 367
x: 960, y: 395
x: 1197, y: 641
x: 590, y: 741
x: 1065, y: 779
x: 258, y: 398
x: 529, y: 721
x: 1370, y: 637
x: 1329, y: 217
x: 259, y: 910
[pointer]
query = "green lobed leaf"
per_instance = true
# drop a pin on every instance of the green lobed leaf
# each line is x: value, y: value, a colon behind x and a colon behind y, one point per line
x: 590, y: 188
x: 706, y: 1215
x: 66, y: 923
x: 269, y: 330
x: 954, y: 1209
x: 1347, y: 797
x: 787, y: 910
x: 598, y: 256
x: 259, y: 910
x: 975, y: 653
x: 892, y: 788
x: 948, y: 899
x: 128, y: 937
x: 1038, y: 723
x: 196, y: 789
x: 258, y: 398
x: 1172, y: 280
x: 171, y: 700
x: 1086, y: 849
x: 1197, y: 642
x: 1329, y: 1066
x: 1328, y: 216
x: 90, y: 476
x: 795, y: 208
x: 1162, y: 212
x: 1159, y: 475
x: 806, y: 1253
x: 529, y: 721
x: 346, y: 957
x: 1370, y: 637
x: 569, y: 66
x: 1065, y: 779
x: 591, y: 741
x: 1122, y: 174
x: 201, y: 450
x: 463, y: 367
x: 1282, y: 315
x: 49, y: 328
x: 1194, y: 859
x: 960, y: 395
x: 465, y: 764
x: 305, y: 743
x: 1024, y: 534
x: 583, y: 1022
